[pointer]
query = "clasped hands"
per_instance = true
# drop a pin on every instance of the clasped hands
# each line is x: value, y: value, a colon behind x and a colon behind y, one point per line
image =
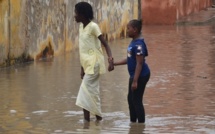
x: 111, y: 64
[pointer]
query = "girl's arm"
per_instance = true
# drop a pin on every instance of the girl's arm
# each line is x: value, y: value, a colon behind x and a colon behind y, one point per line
x: 122, y: 62
x: 139, y: 60
x: 108, y: 51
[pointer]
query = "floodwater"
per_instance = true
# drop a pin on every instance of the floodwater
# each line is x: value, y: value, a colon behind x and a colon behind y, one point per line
x: 39, y: 97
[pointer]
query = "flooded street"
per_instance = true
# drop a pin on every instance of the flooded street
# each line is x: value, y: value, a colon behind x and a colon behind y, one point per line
x: 39, y: 97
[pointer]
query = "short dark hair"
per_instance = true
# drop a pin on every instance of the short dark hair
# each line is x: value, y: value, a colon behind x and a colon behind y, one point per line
x: 85, y: 9
x: 136, y: 24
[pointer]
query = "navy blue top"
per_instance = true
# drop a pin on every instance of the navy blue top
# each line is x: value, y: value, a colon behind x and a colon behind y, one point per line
x: 137, y: 47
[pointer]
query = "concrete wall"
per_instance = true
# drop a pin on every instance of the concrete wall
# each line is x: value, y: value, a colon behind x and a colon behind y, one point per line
x: 186, y: 7
x: 169, y: 11
x: 4, y: 39
x: 32, y: 29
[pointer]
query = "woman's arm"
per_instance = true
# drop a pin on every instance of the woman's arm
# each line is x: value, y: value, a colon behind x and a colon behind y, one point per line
x: 107, y: 47
x: 108, y: 51
x: 139, y: 60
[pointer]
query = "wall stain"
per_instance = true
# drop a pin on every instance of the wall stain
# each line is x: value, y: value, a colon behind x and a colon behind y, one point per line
x: 45, y: 49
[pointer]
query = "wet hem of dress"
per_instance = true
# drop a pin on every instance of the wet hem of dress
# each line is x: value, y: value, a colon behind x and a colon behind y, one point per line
x: 91, y: 112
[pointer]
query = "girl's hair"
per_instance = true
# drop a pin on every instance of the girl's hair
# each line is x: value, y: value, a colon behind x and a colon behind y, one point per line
x: 136, y: 24
x: 85, y: 9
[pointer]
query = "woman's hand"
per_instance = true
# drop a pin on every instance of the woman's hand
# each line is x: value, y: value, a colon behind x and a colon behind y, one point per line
x: 110, y: 67
x: 111, y: 64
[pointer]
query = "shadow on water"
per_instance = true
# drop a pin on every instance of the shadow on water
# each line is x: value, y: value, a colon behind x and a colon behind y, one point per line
x: 39, y: 97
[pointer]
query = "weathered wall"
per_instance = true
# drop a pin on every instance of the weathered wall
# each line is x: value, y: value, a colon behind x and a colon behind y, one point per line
x: 158, y: 11
x: 3, y: 31
x: 32, y: 29
x: 11, y: 43
x: 186, y: 7
x: 169, y: 11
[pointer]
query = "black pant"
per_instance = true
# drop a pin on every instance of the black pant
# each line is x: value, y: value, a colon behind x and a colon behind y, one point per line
x: 135, y: 100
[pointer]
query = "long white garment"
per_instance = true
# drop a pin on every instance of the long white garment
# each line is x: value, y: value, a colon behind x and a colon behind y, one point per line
x: 90, y: 49
x: 88, y: 95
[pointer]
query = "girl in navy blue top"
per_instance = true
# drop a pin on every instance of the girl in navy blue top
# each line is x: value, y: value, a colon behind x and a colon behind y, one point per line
x: 138, y: 70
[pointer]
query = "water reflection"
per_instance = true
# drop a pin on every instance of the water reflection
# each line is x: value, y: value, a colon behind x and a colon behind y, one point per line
x: 136, y: 128
x: 39, y: 97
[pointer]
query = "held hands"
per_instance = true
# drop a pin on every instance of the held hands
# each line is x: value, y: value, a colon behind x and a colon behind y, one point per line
x: 111, y: 64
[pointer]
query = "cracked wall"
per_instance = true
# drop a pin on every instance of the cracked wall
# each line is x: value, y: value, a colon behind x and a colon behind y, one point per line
x: 33, y: 29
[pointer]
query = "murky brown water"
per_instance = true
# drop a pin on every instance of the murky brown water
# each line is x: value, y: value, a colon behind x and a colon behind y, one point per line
x: 39, y: 97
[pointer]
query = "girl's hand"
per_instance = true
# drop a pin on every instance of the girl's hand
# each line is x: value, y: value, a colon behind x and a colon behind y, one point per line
x: 134, y: 85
